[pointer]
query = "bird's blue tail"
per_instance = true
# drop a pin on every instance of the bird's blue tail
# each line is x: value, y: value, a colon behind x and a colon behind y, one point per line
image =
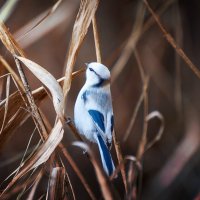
x: 106, y: 158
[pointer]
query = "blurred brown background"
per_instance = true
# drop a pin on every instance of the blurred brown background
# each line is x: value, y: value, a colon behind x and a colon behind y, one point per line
x: 171, y: 168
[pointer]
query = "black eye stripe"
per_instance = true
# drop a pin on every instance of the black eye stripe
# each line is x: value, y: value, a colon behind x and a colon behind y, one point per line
x: 91, y: 69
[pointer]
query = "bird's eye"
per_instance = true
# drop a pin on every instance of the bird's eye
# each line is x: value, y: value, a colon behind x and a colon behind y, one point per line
x: 91, y: 69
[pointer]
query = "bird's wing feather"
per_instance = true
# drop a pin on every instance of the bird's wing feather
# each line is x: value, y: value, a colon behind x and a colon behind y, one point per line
x: 106, y: 158
x: 98, y: 119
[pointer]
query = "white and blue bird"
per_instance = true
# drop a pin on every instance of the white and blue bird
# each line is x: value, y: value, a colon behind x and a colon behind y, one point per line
x: 93, y: 112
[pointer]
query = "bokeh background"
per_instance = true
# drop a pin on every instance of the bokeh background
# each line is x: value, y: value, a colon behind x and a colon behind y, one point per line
x: 171, y: 168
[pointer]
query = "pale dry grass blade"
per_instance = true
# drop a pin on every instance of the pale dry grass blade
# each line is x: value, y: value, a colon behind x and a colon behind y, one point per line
x: 41, y: 155
x: 50, y: 82
x: 143, y: 141
x: 35, y: 185
x: 104, y: 182
x: 173, y: 43
x: 56, y: 188
x: 19, y: 187
x: 150, y: 116
x: 61, y: 17
x: 2, y: 80
x: 7, y: 9
x: 133, y: 117
x: 6, y: 102
x: 18, y: 113
x: 84, y: 17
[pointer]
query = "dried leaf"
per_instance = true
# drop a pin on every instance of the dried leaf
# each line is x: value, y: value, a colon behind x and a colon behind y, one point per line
x: 13, y: 47
x: 152, y: 115
x: 49, y: 81
x: 84, y: 17
x: 17, y: 113
x: 9, y: 41
x: 104, y: 182
x: 41, y: 155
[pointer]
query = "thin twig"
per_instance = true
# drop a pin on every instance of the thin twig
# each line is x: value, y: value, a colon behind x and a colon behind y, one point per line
x: 76, y: 170
x: 96, y: 39
x: 36, y: 115
x: 173, y: 43
x: 120, y: 159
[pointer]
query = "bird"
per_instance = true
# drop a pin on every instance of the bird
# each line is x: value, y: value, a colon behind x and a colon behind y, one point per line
x: 93, y: 112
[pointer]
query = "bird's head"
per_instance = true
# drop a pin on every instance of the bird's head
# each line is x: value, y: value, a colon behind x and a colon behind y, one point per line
x: 97, y: 75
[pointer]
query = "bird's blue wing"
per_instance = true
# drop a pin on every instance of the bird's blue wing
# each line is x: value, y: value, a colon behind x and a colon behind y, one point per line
x: 98, y: 118
x: 105, y: 156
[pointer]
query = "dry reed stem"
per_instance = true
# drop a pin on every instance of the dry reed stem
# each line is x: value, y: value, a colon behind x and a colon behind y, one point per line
x: 150, y: 116
x: 104, y: 182
x: 77, y: 171
x: 120, y: 159
x: 145, y: 127
x: 179, y: 39
x: 84, y: 17
x: 6, y: 103
x: 19, y: 187
x: 116, y: 142
x: 173, y: 43
x: 123, y: 58
x: 17, y: 114
x: 35, y: 113
x: 96, y: 40
x: 140, y: 100
x: 41, y: 155
x: 133, y: 117
x: 37, y: 181
x: 69, y: 158
x: 49, y: 82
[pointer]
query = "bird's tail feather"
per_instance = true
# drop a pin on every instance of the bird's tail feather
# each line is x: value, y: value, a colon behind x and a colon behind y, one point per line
x: 106, y: 158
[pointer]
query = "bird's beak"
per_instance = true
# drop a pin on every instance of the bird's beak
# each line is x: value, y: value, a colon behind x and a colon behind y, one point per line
x: 86, y: 64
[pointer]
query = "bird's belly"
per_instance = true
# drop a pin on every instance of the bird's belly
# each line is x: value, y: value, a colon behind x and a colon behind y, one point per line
x: 84, y: 123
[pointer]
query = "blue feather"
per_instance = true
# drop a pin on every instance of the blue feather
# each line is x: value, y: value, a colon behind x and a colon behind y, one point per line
x: 98, y: 118
x: 105, y: 156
